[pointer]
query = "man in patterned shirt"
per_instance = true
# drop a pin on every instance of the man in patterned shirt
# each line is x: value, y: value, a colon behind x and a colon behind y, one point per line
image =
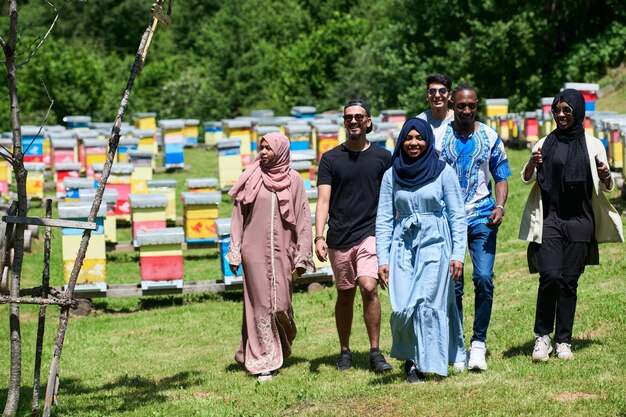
x: 476, y: 152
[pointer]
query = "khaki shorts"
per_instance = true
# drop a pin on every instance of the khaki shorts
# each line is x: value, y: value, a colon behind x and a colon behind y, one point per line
x: 352, y: 263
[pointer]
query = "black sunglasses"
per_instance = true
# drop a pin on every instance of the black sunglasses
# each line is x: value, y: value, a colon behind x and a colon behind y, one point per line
x: 461, y: 106
x: 565, y: 109
x: 357, y: 117
x: 433, y: 91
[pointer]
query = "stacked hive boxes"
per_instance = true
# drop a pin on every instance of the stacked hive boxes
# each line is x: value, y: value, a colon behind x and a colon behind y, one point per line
x: 202, y: 185
x: 161, y: 258
x: 190, y: 132
x: 73, y: 185
x: 35, y: 179
x: 77, y: 122
x: 326, y: 138
x: 127, y: 143
x: 147, y: 142
x: 229, y: 162
x: 32, y: 144
x: 142, y: 172
x: 396, y: 116
x: 64, y: 148
x: 5, y: 171
x: 212, y: 132
x: 494, y: 108
x: 119, y: 180
x: 299, y: 135
x: 173, y: 143
x: 109, y: 198
x: 303, y: 112
x: 145, y: 120
x: 64, y: 170
x: 240, y: 129
x: 199, y: 213
x: 148, y: 212
x: 92, y: 275
x: 531, y: 127
x: 167, y: 188
x: 223, y: 231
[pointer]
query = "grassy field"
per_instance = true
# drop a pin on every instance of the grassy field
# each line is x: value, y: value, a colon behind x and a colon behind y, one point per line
x: 173, y: 356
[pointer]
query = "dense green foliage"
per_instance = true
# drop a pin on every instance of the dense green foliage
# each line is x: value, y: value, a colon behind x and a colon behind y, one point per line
x: 224, y: 58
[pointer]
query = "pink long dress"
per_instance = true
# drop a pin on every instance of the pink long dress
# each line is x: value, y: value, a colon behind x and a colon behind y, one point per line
x: 269, y: 250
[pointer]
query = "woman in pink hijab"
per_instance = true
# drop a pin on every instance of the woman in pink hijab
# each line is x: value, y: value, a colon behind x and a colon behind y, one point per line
x: 271, y: 238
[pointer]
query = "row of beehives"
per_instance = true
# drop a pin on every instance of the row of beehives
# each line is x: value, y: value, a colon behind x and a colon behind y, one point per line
x: 160, y: 247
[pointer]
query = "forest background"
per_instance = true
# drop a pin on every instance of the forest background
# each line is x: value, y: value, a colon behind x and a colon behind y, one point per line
x: 223, y: 58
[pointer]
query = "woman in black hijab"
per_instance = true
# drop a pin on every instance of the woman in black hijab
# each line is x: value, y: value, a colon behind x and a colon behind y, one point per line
x: 565, y: 217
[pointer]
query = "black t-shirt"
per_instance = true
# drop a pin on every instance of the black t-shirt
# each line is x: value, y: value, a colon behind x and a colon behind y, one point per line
x: 355, y: 179
x: 567, y: 211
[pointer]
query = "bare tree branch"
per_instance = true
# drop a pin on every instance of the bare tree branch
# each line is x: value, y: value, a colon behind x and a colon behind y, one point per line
x: 34, y: 51
x: 45, y: 118
x: 8, y: 156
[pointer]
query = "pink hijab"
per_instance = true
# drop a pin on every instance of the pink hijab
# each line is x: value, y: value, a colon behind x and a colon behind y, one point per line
x: 275, y: 177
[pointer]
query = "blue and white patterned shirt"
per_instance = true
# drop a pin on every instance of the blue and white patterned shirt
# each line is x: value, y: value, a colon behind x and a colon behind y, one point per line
x: 473, y: 159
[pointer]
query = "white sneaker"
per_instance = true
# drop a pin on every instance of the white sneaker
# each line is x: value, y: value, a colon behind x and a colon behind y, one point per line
x: 265, y: 376
x: 564, y: 351
x: 543, y: 347
x: 477, y: 361
x: 458, y: 366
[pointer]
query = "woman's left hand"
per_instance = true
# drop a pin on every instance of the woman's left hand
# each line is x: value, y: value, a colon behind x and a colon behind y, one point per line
x: 603, y: 171
x: 456, y: 270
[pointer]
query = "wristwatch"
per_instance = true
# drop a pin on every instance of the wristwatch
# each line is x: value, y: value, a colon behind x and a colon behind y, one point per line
x: 500, y: 206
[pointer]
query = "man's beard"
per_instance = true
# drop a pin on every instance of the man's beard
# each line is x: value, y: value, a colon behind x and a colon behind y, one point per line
x: 354, y: 136
x: 465, y: 123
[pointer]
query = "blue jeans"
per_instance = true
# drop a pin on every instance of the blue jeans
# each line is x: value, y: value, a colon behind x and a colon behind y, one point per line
x: 481, y: 242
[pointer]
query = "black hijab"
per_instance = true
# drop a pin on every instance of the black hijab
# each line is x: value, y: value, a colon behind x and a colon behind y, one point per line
x: 577, y: 166
x: 416, y: 172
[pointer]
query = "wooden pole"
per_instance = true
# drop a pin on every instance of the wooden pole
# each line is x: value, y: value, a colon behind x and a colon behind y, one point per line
x: 41, y: 325
x: 80, y: 256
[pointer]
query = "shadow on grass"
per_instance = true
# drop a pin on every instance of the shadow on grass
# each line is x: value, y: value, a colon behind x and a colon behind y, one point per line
x: 290, y: 361
x: 527, y: 348
x: 201, y: 256
x: 360, y: 360
x: 126, y: 394
x: 301, y: 289
x: 164, y: 301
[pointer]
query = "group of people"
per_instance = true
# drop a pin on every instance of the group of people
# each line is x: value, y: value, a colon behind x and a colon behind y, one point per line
x: 404, y: 220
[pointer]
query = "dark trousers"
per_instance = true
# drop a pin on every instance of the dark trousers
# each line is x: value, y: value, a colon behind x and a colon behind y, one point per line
x: 561, y: 263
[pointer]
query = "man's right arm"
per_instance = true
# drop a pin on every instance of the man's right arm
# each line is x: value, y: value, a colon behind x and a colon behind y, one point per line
x: 321, y: 216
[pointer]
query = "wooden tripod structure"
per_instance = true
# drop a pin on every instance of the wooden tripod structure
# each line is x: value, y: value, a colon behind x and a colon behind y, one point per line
x: 44, y: 295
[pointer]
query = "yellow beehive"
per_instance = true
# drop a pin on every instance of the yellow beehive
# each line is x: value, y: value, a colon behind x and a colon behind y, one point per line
x: 93, y: 270
x: 496, y: 106
x: 168, y: 188
x: 35, y: 179
x: 202, y: 185
x: 229, y: 162
x: 240, y: 129
x: 145, y: 120
x: 200, y: 211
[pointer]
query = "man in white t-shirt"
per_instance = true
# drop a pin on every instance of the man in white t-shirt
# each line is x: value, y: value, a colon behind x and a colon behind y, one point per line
x: 439, y: 115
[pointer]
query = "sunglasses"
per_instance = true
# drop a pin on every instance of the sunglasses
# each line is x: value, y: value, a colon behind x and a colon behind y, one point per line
x: 462, y: 106
x: 357, y: 117
x: 565, y: 109
x: 433, y: 91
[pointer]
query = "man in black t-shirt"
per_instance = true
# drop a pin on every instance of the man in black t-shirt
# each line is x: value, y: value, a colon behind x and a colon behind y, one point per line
x: 348, y: 183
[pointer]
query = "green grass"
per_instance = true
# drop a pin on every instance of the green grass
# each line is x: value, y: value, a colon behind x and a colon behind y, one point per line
x: 173, y: 356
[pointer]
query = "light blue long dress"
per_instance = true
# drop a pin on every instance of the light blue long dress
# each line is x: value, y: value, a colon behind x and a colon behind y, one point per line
x: 418, y: 232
